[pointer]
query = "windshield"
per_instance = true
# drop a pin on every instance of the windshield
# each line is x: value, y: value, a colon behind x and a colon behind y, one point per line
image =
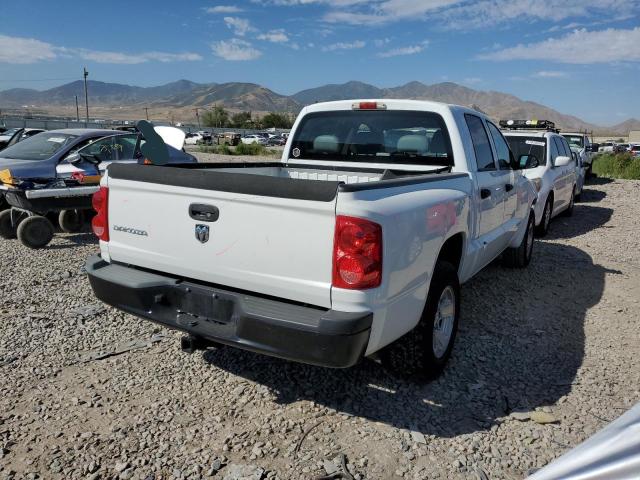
x: 39, y: 147
x: 373, y: 136
x: 575, y: 140
x: 10, y: 132
x: 528, y: 146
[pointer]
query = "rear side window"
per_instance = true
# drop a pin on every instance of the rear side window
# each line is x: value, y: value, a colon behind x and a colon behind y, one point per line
x: 386, y: 136
x: 505, y: 157
x: 563, y: 149
x: 481, y: 145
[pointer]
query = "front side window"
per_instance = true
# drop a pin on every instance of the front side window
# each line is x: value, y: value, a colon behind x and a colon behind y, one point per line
x: 555, y: 153
x: 38, y: 147
x: 373, y: 136
x: 505, y: 157
x: 113, y: 148
x: 481, y: 145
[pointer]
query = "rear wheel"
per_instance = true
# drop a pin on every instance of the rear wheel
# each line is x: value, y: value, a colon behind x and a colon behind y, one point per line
x: 424, y: 351
x: 35, y: 231
x: 7, y: 230
x: 543, y: 228
x: 71, y: 221
x: 520, y: 256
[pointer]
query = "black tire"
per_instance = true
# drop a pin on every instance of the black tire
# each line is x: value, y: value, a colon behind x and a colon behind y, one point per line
x: 35, y: 231
x: 71, y: 221
x: 413, y: 355
x: 520, y: 256
x: 578, y: 197
x: 543, y: 228
x: 7, y: 230
x: 569, y: 210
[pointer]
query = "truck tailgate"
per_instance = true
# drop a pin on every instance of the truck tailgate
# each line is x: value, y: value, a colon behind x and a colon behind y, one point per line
x: 274, y: 246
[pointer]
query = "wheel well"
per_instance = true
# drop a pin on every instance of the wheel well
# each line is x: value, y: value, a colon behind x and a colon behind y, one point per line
x: 451, y: 251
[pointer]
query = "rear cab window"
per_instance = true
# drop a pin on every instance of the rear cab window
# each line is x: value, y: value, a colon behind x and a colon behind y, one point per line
x: 387, y: 136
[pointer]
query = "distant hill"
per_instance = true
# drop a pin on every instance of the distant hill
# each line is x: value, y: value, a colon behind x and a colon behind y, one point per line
x: 183, y: 96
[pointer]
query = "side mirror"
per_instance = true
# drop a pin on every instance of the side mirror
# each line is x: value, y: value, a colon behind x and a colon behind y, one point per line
x: 73, y: 157
x: 528, y: 161
x: 594, y: 147
x: 562, y: 161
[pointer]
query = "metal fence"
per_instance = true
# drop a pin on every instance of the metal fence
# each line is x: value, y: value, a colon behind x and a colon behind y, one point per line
x: 54, y: 124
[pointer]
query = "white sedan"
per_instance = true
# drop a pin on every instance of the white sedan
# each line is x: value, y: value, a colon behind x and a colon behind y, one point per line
x: 248, y: 139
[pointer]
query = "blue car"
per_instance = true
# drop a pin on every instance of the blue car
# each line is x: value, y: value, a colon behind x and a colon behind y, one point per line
x: 61, y: 154
x: 57, y: 172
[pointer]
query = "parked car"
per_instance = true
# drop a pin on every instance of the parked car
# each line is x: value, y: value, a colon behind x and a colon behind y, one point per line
x: 193, y: 138
x: 635, y: 150
x: 621, y: 148
x: 548, y: 162
x: 254, y: 138
x: 607, y: 147
x: 228, y: 138
x: 356, y: 244
x: 54, y: 172
x: 276, y: 141
x: 580, y: 143
x: 41, y: 156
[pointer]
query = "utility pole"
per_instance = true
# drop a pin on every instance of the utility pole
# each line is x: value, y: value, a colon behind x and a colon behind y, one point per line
x: 86, y: 94
x: 146, y: 111
x: 77, y: 110
x: 198, y: 117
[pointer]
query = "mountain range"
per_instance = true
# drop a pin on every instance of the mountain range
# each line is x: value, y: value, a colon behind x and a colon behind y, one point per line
x: 180, y: 99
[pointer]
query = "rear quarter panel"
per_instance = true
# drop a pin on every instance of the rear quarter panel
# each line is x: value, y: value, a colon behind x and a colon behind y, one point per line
x: 416, y: 220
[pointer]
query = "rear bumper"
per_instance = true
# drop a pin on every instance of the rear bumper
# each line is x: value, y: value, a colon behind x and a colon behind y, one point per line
x: 264, y: 325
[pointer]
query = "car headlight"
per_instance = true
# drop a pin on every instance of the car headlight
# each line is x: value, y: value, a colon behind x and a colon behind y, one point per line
x: 537, y: 182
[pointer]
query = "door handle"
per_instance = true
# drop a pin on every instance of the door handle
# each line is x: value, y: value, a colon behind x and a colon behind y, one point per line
x: 508, y: 187
x: 203, y: 212
x: 485, y: 193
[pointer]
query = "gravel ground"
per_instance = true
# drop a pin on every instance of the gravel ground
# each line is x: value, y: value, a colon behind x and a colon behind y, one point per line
x: 555, y: 343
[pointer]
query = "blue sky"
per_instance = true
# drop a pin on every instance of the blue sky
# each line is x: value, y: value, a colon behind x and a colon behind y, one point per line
x: 581, y: 57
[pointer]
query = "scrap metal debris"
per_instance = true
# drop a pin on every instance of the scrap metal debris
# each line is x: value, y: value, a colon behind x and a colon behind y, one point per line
x: 135, y: 344
x: 336, y: 469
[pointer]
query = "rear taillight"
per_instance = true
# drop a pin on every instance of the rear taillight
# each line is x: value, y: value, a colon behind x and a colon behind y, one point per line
x: 357, y: 254
x: 100, y: 222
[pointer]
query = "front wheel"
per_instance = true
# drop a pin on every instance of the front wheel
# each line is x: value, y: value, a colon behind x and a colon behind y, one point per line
x: 569, y: 211
x: 543, y: 228
x: 424, y: 351
x: 520, y: 256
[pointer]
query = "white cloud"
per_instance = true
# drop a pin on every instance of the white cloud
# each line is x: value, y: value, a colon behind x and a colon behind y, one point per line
x: 381, y: 42
x: 240, y: 26
x: 235, y: 50
x: 578, y: 47
x: 274, y: 36
x: 25, y: 50
x: 223, y: 9
x: 130, y: 59
x: 344, y: 46
x: 549, y: 74
x: 472, y: 81
x: 29, y: 50
x: 410, y: 50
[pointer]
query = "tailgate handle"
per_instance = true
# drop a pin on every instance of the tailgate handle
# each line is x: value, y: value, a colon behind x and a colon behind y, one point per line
x: 203, y: 212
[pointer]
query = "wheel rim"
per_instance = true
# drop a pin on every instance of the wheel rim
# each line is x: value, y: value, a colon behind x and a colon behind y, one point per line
x: 443, y: 323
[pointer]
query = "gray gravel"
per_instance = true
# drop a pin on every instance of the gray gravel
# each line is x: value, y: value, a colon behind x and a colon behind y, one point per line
x: 545, y: 357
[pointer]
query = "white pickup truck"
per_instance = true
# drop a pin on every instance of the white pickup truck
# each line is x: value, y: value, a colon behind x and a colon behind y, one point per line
x: 356, y: 242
